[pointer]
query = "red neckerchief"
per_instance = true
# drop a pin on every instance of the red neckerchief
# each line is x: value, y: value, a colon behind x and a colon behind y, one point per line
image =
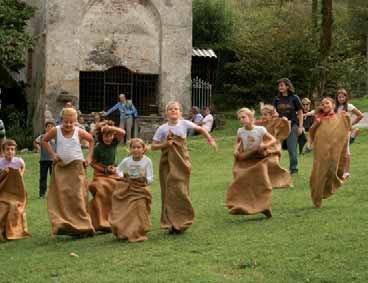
x: 325, y: 116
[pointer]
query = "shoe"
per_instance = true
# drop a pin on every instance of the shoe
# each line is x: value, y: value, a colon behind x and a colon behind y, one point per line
x: 307, y: 150
x: 346, y: 175
x: 292, y: 172
x: 267, y: 212
x: 352, y: 140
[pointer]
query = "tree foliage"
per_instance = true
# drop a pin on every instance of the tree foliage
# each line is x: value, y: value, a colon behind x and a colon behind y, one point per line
x: 213, y: 23
x: 275, y: 39
x: 14, y: 40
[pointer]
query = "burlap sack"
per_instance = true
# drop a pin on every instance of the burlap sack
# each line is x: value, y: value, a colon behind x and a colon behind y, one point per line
x: 177, y: 213
x: 13, y: 198
x: 67, y: 200
x: 99, y: 207
x: 280, y: 129
x: 130, y: 216
x: 251, y: 190
x: 330, y: 138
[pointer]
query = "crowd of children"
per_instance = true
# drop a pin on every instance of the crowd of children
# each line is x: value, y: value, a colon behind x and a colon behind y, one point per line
x: 121, y: 197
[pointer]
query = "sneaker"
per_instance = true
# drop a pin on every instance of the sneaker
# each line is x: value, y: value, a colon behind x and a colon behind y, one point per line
x: 292, y: 172
x: 346, y: 175
x: 267, y: 213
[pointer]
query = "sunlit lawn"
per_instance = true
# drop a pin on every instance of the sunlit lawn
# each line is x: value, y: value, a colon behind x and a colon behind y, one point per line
x: 299, y: 244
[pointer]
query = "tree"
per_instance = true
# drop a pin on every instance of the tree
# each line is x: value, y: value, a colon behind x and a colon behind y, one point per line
x: 213, y: 24
x: 358, y: 10
x: 14, y: 40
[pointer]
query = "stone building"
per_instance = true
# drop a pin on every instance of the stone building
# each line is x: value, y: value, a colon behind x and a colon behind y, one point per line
x: 89, y: 51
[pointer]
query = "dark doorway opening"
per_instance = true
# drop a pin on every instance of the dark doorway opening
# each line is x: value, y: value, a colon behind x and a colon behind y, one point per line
x: 99, y: 90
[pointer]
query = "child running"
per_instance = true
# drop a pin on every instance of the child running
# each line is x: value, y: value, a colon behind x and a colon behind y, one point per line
x: 45, y: 159
x: 68, y: 192
x: 279, y: 128
x: 329, y: 135
x: 343, y: 105
x: 177, y: 213
x: 130, y: 216
x: 251, y: 190
x: 13, y: 196
x: 104, y: 175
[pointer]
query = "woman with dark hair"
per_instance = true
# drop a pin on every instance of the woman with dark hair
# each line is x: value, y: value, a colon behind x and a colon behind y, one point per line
x: 288, y: 105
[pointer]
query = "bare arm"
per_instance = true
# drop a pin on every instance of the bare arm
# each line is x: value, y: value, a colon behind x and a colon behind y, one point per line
x: 359, y: 116
x: 301, y: 121
x: 158, y: 145
x: 210, y: 139
x: 270, y: 141
x: 46, y: 144
x: 22, y: 169
x: 83, y: 135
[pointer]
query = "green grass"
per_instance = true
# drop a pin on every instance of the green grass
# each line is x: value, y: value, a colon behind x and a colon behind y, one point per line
x: 299, y: 244
x: 361, y: 103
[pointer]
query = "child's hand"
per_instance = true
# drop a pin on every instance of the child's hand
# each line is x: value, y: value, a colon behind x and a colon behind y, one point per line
x: 87, y: 162
x: 169, y: 143
x: 213, y: 143
x: 111, y: 169
x: 55, y: 158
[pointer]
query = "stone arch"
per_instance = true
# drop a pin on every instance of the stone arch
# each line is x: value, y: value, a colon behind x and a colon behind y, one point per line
x: 120, y: 33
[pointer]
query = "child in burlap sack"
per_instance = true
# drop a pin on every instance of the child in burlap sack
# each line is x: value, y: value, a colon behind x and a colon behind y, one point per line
x: 177, y: 213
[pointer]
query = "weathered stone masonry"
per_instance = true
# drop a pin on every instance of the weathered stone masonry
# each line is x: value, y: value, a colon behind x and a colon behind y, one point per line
x: 145, y: 36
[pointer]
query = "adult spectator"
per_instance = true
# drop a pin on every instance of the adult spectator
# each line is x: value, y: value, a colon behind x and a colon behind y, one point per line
x: 126, y: 115
x: 288, y: 105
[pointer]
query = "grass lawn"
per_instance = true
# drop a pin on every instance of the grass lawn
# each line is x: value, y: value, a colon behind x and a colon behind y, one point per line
x: 361, y: 103
x: 299, y: 244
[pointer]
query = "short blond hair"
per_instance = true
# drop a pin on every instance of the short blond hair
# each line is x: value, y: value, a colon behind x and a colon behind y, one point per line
x: 69, y: 112
x: 140, y: 141
x: 246, y: 110
x: 269, y: 109
x: 306, y: 100
x: 171, y: 103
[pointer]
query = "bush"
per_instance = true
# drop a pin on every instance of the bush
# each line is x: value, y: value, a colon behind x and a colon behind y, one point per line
x: 17, y: 128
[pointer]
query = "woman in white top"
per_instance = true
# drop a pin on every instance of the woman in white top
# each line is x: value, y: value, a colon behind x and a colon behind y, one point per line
x: 68, y: 194
x: 343, y: 105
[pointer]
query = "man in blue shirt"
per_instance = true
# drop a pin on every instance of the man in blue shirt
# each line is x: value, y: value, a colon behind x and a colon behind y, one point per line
x: 127, y: 111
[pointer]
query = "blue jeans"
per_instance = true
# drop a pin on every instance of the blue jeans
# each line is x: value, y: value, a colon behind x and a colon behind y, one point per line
x: 45, y: 168
x: 292, y: 142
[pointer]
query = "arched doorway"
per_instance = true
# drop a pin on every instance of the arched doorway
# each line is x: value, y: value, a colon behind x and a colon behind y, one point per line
x: 99, y: 90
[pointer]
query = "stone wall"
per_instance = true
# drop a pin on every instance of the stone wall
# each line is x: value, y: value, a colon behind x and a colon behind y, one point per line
x: 146, y: 36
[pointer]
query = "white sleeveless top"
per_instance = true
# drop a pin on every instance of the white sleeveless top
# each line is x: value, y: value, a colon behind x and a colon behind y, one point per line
x: 68, y: 149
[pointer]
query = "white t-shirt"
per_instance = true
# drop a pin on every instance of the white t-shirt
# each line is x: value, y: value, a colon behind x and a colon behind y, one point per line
x: 208, y: 122
x: 253, y: 138
x: 136, y: 169
x: 180, y: 129
x: 198, y: 118
x: 350, y: 108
